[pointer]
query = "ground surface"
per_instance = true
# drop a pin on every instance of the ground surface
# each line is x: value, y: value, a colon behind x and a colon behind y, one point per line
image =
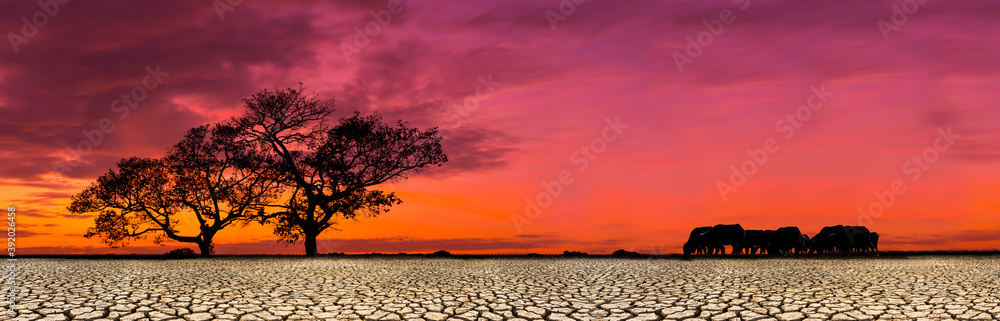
x: 508, y: 289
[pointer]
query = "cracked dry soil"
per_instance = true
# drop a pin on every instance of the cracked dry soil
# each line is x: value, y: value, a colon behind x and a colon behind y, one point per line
x: 408, y: 288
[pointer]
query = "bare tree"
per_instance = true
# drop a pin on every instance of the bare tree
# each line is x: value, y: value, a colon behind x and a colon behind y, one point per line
x: 207, y: 176
x: 331, y: 171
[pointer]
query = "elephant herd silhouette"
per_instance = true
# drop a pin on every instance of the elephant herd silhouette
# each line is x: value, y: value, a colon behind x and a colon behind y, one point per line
x: 839, y: 239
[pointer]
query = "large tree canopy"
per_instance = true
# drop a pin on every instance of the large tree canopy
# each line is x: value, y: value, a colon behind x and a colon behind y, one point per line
x: 208, y: 176
x: 331, y: 171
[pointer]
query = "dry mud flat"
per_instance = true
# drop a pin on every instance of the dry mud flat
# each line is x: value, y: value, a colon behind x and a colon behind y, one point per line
x: 932, y: 288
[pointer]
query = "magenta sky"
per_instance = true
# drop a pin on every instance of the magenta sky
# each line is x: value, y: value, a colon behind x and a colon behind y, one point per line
x: 553, y: 90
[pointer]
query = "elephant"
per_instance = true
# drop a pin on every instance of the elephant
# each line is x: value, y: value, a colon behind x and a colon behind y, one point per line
x: 756, y: 240
x: 721, y: 235
x: 858, y: 239
x: 804, y: 245
x: 696, y: 241
x: 842, y: 239
x: 768, y: 239
x: 874, y: 242
x: 828, y: 240
x: 786, y: 239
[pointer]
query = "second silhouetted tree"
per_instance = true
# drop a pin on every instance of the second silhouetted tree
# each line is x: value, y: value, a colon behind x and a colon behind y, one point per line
x: 330, y: 171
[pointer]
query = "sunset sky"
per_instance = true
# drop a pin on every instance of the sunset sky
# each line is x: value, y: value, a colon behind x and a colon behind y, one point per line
x: 643, y: 125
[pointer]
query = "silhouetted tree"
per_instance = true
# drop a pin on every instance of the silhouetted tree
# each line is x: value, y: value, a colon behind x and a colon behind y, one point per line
x: 208, y: 176
x: 331, y: 171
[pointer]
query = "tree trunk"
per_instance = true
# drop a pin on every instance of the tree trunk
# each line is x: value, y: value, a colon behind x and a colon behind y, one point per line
x: 311, y: 244
x: 205, y: 245
x: 206, y: 248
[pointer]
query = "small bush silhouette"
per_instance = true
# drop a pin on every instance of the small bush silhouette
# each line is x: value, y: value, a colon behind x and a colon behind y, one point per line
x: 574, y: 254
x: 624, y: 253
x: 181, y: 252
x: 441, y: 253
